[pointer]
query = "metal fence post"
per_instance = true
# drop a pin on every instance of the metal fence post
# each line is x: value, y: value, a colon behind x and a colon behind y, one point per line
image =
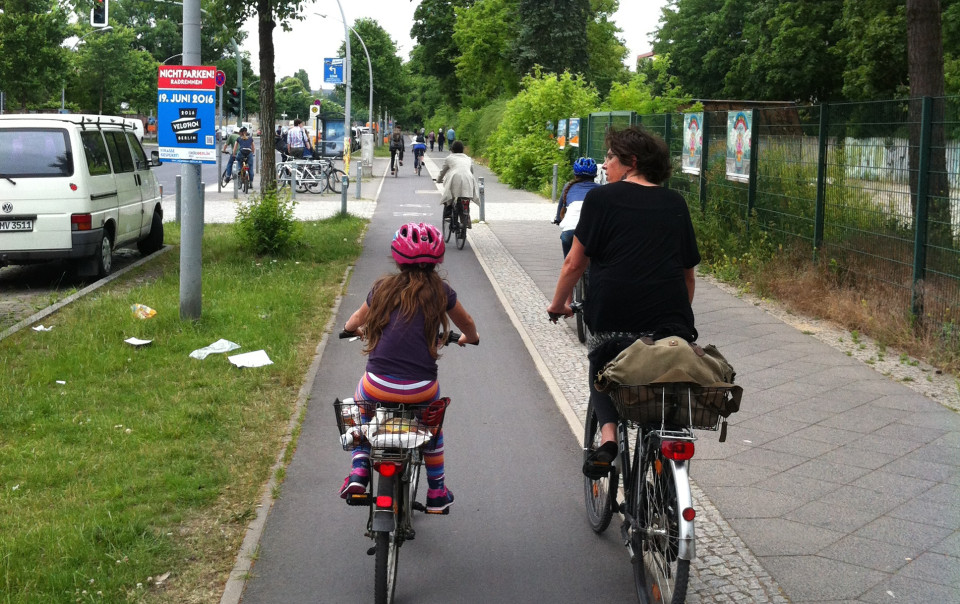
x: 345, y: 184
x: 359, y: 178
x: 923, y: 191
x: 177, y: 206
x: 236, y: 186
x: 482, y: 206
x: 704, y: 160
x: 754, y: 160
x: 553, y: 195
x: 820, y: 212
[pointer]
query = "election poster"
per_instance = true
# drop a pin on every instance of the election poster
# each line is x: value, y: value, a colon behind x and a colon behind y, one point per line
x: 738, y: 145
x: 573, y: 132
x: 562, y: 134
x: 692, y: 142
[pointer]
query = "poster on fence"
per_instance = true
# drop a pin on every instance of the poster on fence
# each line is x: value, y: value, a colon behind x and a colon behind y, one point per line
x: 562, y: 133
x: 573, y: 132
x: 693, y: 142
x: 550, y: 127
x: 738, y: 145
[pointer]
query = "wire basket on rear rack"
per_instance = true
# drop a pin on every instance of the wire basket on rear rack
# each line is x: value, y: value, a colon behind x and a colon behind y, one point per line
x: 388, y: 426
x: 675, y: 404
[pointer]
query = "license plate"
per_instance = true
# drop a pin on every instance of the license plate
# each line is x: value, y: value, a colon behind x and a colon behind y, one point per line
x: 16, y: 225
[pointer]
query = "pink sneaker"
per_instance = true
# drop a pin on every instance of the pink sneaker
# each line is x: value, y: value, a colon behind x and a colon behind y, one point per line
x: 439, y: 501
x: 356, y: 483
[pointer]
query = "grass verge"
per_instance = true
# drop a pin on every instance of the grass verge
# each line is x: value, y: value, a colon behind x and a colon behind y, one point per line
x: 130, y: 474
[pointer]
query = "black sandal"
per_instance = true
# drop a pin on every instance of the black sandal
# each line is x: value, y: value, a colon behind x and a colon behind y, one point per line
x: 598, y: 463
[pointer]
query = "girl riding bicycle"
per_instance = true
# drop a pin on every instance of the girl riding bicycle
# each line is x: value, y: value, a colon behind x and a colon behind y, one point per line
x: 400, y: 321
x: 419, y: 148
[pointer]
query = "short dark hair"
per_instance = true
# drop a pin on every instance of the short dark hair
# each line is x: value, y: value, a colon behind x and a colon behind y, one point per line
x: 456, y: 147
x: 242, y: 130
x: 649, y: 150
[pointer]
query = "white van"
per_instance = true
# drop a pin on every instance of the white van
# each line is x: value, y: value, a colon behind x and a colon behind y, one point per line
x: 74, y: 187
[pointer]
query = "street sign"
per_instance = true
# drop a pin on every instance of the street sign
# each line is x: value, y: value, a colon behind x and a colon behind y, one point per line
x: 221, y: 78
x: 333, y: 70
x: 314, y: 110
x: 186, y: 98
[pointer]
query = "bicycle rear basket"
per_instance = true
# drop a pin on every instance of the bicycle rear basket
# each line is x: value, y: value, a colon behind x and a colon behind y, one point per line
x: 385, y: 425
x: 675, y: 404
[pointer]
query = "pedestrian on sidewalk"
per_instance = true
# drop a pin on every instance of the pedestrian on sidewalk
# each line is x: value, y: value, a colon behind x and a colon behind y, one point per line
x: 451, y: 136
x: 440, y: 139
x: 398, y: 320
x: 298, y: 141
x: 432, y: 137
x: 638, y: 239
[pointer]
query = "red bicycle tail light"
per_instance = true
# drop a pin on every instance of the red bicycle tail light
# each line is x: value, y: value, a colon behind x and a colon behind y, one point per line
x: 384, y: 501
x: 386, y: 469
x: 81, y: 222
x: 677, y: 450
x: 688, y: 514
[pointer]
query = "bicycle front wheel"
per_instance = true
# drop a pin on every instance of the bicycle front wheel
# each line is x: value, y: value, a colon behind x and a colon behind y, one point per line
x: 582, y: 330
x: 385, y: 581
x: 335, y: 180
x: 659, y: 575
x: 224, y: 179
x: 598, y: 494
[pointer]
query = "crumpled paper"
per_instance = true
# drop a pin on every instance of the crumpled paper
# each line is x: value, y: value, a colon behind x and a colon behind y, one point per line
x: 42, y: 328
x: 219, y: 346
x: 137, y: 342
x: 142, y: 311
x: 257, y: 358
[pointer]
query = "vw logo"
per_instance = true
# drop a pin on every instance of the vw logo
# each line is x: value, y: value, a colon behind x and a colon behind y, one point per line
x: 7, y: 207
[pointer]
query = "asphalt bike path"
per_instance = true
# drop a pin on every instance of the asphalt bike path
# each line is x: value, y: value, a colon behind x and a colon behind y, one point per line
x: 516, y: 531
x: 836, y: 484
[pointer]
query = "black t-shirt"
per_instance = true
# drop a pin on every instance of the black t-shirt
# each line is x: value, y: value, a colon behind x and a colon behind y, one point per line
x: 639, y: 240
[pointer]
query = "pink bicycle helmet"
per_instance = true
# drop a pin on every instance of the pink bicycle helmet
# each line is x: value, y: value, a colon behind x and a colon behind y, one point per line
x: 416, y: 243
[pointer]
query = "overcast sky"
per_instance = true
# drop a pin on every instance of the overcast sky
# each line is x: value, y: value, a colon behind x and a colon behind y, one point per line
x: 315, y: 38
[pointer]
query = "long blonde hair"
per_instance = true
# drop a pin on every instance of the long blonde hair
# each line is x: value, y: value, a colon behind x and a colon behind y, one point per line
x: 417, y: 287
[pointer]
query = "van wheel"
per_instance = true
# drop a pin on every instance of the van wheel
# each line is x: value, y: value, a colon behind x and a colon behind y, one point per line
x: 103, y: 261
x: 154, y: 241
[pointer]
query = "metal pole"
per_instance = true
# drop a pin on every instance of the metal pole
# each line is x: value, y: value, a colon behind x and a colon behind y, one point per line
x: 293, y: 182
x: 553, y: 194
x: 191, y: 233
x: 345, y: 184
x: 346, y: 108
x: 177, y: 193
x: 920, y: 223
x: 359, y: 178
x: 482, y: 200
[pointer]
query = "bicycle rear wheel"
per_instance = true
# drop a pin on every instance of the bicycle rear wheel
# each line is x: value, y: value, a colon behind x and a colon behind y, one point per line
x: 659, y: 575
x: 246, y: 181
x: 598, y: 494
x: 461, y: 236
x: 335, y: 180
x: 385, y: 580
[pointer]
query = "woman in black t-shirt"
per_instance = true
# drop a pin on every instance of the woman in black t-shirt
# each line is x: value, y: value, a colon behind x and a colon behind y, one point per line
x: 638, y: 239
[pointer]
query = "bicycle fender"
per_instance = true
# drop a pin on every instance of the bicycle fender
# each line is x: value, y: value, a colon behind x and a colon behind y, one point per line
x: 687, y: 539
x: 385, y: 519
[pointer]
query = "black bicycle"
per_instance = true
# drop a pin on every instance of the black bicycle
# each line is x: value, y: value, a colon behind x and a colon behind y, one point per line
x: 455, y: 224
x: 396, y: 434
x: 579, y: 296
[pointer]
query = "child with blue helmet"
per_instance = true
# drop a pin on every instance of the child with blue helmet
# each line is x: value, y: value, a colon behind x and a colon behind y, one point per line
x: 571, y: 200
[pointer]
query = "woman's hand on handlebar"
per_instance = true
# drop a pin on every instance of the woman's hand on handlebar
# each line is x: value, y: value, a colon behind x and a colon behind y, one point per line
x: 556, y: 311
x: 464, y: 340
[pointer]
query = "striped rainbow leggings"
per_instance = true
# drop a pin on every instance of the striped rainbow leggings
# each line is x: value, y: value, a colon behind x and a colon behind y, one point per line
x: 386, y: 389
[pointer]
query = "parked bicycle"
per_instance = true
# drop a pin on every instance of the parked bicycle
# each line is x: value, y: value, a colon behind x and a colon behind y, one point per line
x: 397, y: 434
x: 315, y: 176
x: 455, y: 224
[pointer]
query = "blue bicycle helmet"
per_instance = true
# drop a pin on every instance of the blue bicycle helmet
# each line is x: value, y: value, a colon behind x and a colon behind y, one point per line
x: 585, y: 166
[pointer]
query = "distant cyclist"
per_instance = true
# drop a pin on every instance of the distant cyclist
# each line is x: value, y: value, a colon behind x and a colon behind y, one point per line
x: 244, y: 150
x: 396, y: 149
x: 400, y: 320
x: 419, y: 148
x: 571, y: 200
x: 458, y: 180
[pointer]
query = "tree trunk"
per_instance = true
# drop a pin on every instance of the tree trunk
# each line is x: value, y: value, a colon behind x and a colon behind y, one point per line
x: 925, y: 71
x: 268, y: 170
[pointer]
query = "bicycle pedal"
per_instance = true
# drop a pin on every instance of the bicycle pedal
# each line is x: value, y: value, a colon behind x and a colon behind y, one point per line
x: 361, y: 499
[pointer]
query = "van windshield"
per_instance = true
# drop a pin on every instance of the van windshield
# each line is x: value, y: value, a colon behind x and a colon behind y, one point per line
x: 35, y: 152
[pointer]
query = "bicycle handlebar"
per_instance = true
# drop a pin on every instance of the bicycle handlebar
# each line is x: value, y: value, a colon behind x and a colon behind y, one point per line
x: 452, y: 337
x: 576, y: 307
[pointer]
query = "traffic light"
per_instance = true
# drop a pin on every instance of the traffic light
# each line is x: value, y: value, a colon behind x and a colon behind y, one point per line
x: 98, y: 15
x: 232, y: 100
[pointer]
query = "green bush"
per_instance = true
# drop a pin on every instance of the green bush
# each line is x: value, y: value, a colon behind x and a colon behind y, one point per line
x: 520, y: 150
x: 266, y: 225
x: 476, y: 125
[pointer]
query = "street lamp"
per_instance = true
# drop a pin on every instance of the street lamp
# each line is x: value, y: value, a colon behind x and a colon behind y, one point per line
x: 179, y: 54
x: 63, y: 88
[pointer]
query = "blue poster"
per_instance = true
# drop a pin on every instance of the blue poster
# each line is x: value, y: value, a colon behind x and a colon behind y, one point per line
x: 186, y: 114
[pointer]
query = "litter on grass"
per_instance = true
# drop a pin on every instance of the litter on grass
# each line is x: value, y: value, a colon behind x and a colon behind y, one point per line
x: 219, y: 346
x: 42, y: 328
x: 257, y: 358
x: 142, y: 311
x: 137, y: 342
